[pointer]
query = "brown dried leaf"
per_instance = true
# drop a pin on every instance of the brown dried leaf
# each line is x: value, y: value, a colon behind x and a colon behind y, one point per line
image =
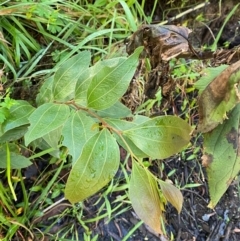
x: 164, y: 42
x: 144, y: 195
x: 172, y: 194
x: 218, y: 98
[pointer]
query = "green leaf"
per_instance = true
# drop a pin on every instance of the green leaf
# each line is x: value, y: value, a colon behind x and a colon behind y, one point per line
x: 45, y: 94
x: 85, y: 79
x: 208, y: 75
x: 111, y: 83
x: 45, y: 119
x: 41, y: 144
x: 18, y: 115
x: 129, y: 15
x: 144, y: 195
x: 14, y: 134
x: 222, y: 155
x: 17, y: 161
x: 67, y: 75
x: 121, y: 125
x: 76, y: 131
x: 172, y: 194
x: 83, y: 83
x: 161, y: 136
x: 52, y: 138
x: 4, y: 113
x: 118, y: 110
x: 2, y: 117
x: 139, y: 119
x: 95, y: 167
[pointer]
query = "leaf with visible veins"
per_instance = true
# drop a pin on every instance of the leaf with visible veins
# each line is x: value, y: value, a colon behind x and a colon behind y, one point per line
x: 218, y: 98
x: 222, y: 155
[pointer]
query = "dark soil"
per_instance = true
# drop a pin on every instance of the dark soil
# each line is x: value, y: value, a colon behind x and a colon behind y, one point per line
x: 195, y: 222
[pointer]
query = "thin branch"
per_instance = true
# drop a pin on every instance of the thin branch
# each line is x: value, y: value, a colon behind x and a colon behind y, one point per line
x: 185, y: 12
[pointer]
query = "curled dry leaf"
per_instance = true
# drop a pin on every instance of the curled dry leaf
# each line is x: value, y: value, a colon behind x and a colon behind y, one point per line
x: 218, y: 98
x: 163, y: 42
x: 172, y: 194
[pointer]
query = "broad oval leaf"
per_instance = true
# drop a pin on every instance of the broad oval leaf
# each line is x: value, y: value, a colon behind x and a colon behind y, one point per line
x: 161, y: 136
x: 127, y: 144
x: 43, y: 145
x: 76, y: 131
x: 18, y: 115
x: 118, y: 110
x: 14, y: 134
x: 111, y: 83
x: 222, y: 155
x: 144, y: 195
x: 95, y: 167
x: 67, y: 75
x: 17, y: 161
x: 86, y: 77
x: 219, y: 97
x: 45, y: 119
x: 172, y: 194
x: 52, y: 138
x: 45, y: 94
x: 208, y: 75
x: 82, y: 84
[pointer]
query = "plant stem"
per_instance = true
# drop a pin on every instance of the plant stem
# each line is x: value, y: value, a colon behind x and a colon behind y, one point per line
x: 9, y: 173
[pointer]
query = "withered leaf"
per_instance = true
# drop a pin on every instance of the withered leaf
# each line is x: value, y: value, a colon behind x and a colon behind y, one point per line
x: 218, y: 98
x: 222, y: 155
x: 164, y: 42
x: 144, y: 195
x: 161, y: 43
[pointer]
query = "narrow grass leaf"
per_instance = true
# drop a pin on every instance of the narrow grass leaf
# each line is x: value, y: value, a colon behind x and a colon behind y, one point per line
x: 143, y: 192
x: 94, y: 35
x: 45, y: 119
x: 76, y: 131
x: 67, y: 75
x: 95, y: 167
x: 111, y: 83
x: 33, y: 62
x: 214, y: 45
x: 129, y: 15
x: 172, y: 194
x: 160, y: 137
x: 9, y: 65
